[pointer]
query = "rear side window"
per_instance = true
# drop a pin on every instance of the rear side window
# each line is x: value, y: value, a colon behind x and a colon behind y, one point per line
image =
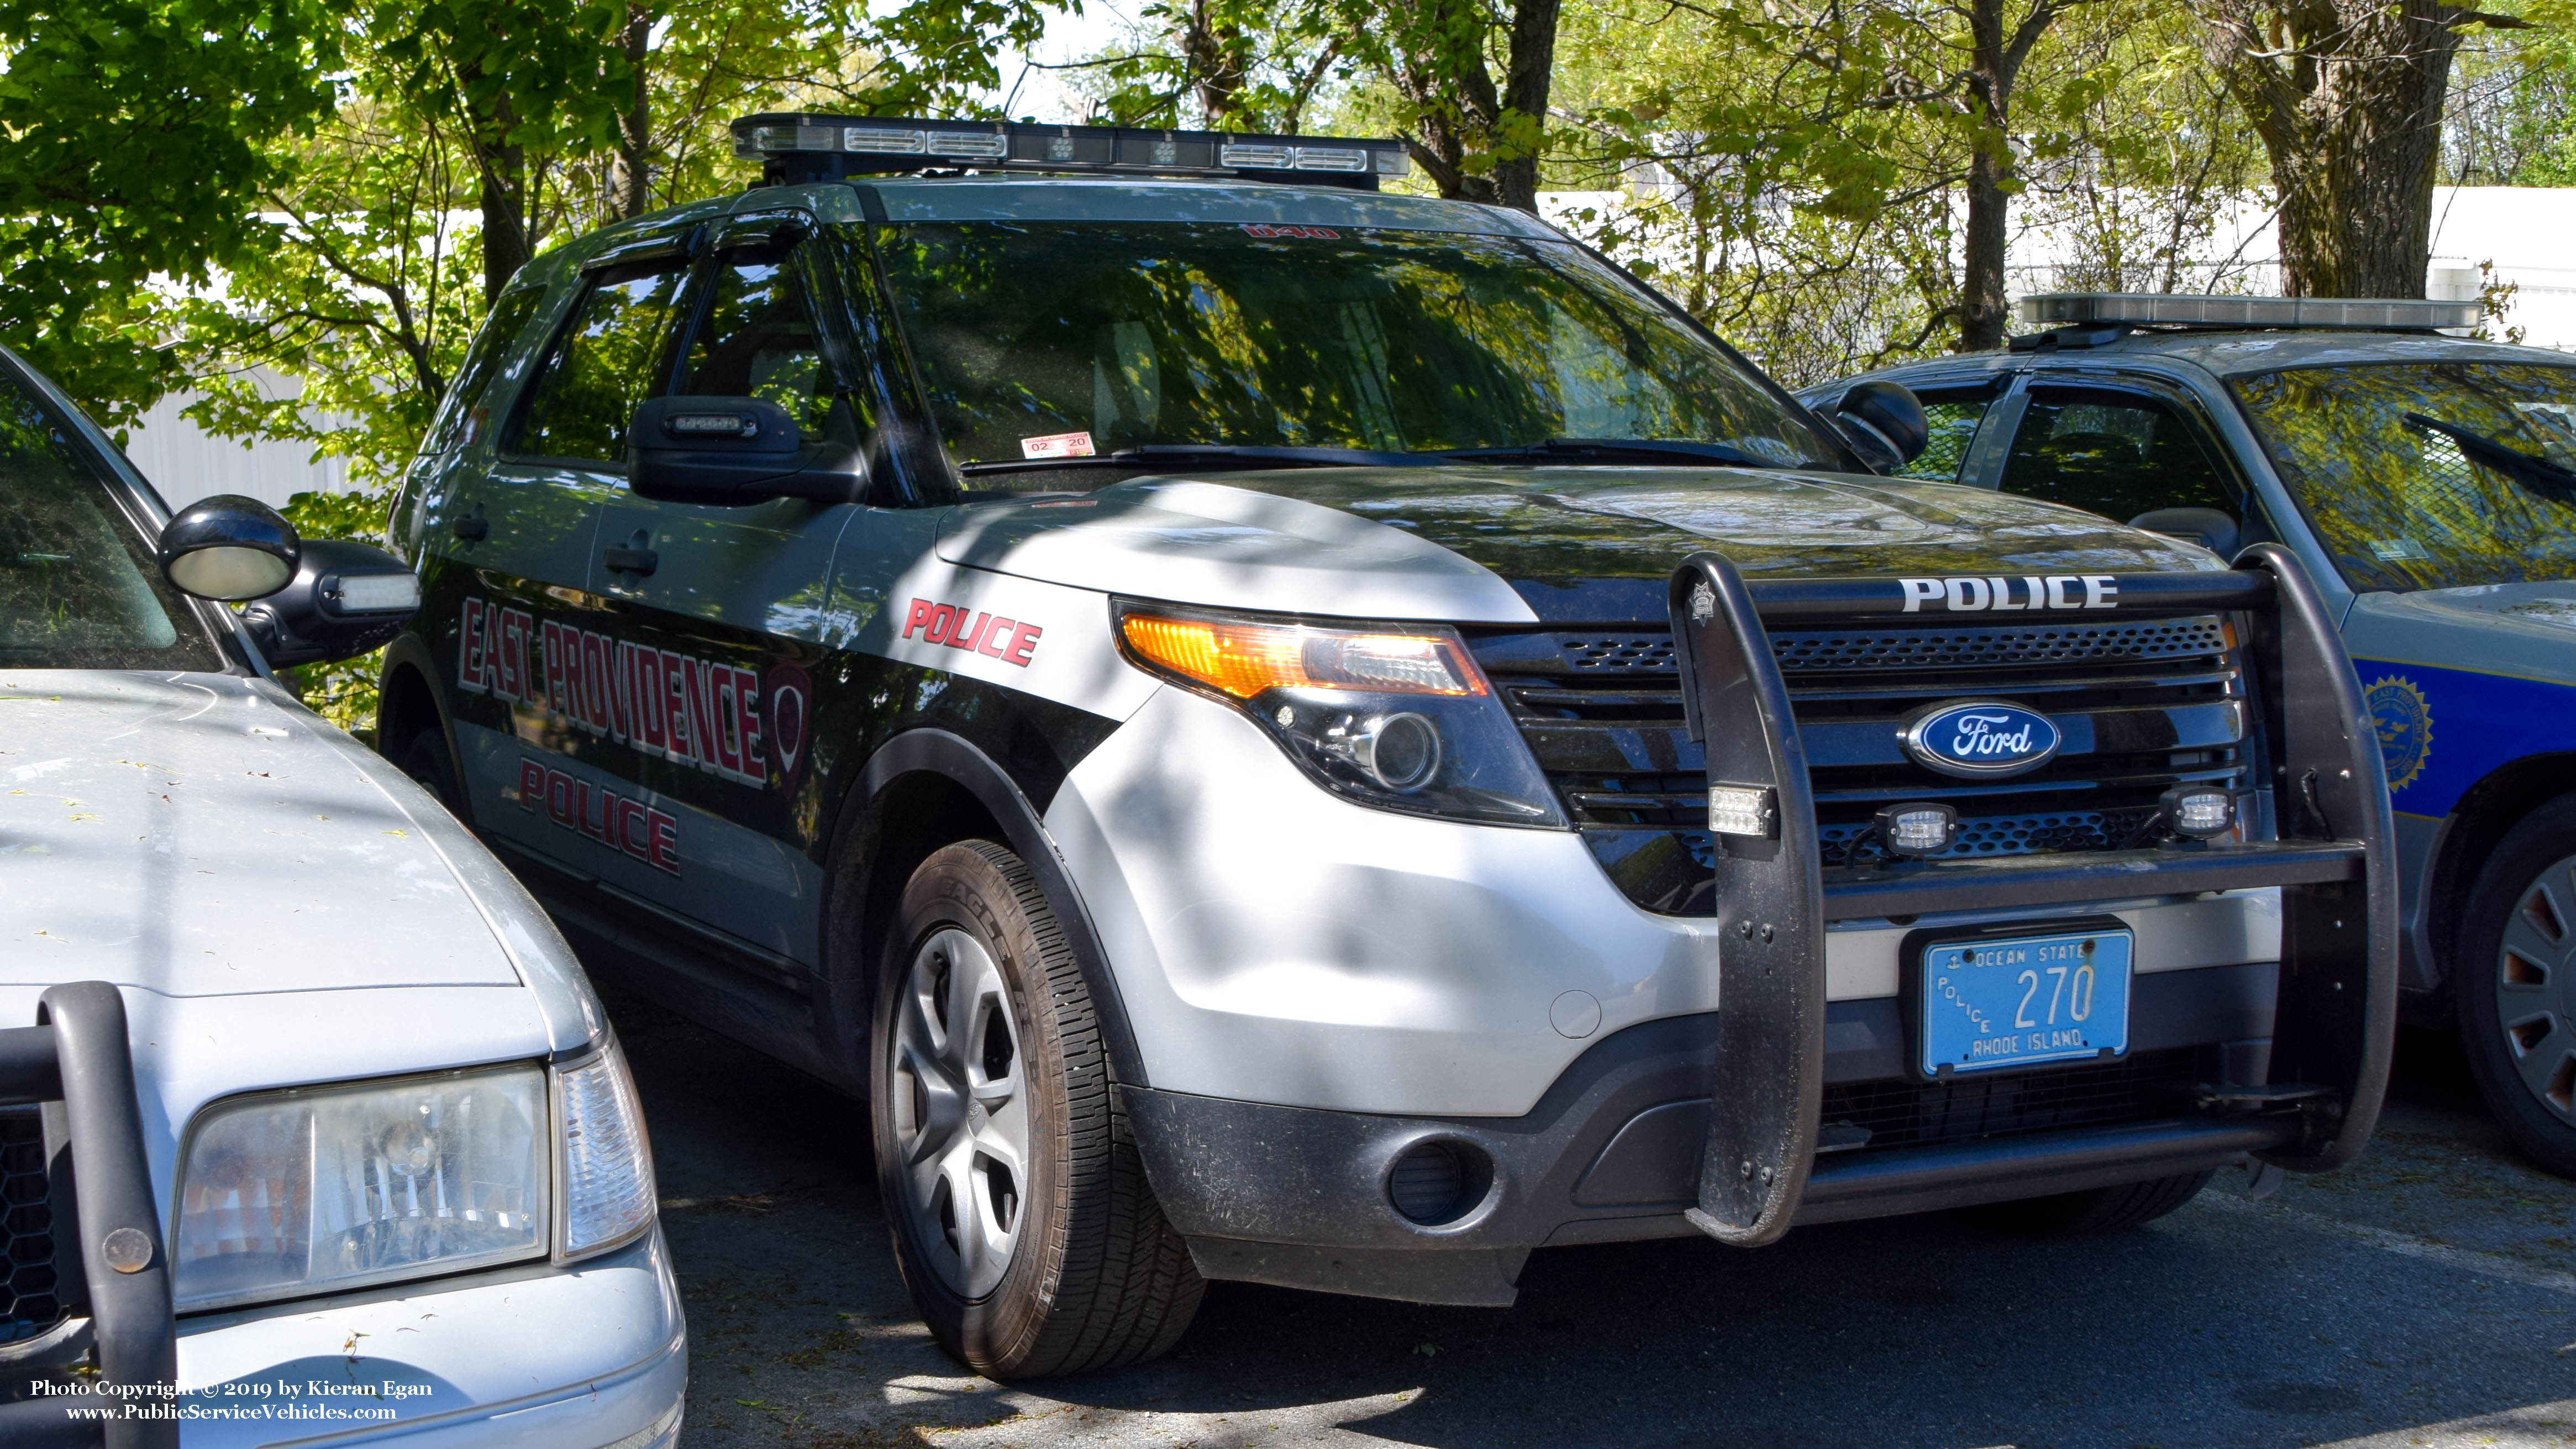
x: 2114, y: 454
x: 609, y: 358
x: 463, y: 414
x: 1953, y: 426
x: 759, y: 340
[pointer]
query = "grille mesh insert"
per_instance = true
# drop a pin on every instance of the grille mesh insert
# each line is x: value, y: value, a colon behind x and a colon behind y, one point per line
x: 1652, y: 653
x: 29, y: 1300
x: 1901, y: 1113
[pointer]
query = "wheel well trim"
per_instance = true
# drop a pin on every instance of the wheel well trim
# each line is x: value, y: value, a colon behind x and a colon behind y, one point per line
x: 409, y: 651
x: 958, y: 760
x: 2469, y: 830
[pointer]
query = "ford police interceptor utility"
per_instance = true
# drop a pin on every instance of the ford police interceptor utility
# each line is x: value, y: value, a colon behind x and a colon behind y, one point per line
x: 1157, y: 664
x: 2428, y: 485
x: 310, y: 1127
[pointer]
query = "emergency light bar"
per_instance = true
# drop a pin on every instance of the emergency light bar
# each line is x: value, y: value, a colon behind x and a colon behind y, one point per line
x: 827, y: 148
x: 2090, y: 309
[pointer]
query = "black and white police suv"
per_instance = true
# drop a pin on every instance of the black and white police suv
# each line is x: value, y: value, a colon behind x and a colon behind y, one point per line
x: 1283, y: 732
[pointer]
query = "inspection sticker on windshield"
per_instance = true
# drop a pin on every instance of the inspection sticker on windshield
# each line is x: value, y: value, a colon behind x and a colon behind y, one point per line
x: 1057, y: 445
x: 2399, y: 549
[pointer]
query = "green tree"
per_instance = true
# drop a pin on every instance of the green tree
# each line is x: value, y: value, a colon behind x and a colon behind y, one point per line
x: 139, y: 136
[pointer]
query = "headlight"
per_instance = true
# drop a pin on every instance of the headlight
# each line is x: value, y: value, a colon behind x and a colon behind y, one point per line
x: 322, y: 1189
x: 1397, y: 717
x: 607, y: 1160
x: 327, y: 1188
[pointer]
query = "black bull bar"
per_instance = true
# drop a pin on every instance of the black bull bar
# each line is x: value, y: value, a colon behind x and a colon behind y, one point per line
x: 2337, y: 1012
x: 109, y: 1261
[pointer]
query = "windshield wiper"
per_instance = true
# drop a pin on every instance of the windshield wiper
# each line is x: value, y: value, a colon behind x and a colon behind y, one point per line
x: 1596, y: 450
x: 1217, y: 455
x: 2541, y: 476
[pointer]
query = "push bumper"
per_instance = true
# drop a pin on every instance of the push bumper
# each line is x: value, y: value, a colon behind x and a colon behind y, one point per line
x: 1307, y: 1198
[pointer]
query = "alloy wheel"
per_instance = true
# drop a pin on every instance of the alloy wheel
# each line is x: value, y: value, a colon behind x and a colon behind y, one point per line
x: 961, y: 1119
x: 2536, y: 988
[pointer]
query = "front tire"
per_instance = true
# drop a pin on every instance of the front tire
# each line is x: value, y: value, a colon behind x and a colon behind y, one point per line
x: 1022, y: 1220
x: 2514, y: 982
x: 425, y: 759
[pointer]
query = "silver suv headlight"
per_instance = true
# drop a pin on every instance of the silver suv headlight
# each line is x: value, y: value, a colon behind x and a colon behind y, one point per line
x: 322, y: 1189
x: 1395, y: 716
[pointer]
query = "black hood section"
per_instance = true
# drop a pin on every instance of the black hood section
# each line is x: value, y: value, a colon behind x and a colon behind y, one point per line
x: 1598, y: 545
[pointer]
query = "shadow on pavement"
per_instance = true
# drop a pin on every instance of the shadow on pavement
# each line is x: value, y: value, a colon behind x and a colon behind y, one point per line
x: 2244, y: 1327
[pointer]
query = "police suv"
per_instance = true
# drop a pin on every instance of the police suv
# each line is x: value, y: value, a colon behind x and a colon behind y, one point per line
x: 1282, y: 732
x: 2428, y: 485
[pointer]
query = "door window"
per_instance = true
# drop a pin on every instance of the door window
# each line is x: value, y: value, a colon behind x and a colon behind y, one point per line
x: 759, y: 339
x: 607, y: 362
x: 464, y: 415
x: 2116, y: 454
x: 1951, y: 425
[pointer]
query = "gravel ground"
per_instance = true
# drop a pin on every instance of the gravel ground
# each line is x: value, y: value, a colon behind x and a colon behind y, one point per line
x: 2426, y: 1296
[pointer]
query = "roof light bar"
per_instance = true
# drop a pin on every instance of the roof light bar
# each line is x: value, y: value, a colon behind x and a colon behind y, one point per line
x: 816, y: 148
x: 2146, y: 309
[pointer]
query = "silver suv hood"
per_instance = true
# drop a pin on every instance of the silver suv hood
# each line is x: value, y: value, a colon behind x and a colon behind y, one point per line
x: 202, y: 835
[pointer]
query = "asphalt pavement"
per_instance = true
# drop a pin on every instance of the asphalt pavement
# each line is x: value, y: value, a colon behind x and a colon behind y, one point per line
x: 2426, y: 1296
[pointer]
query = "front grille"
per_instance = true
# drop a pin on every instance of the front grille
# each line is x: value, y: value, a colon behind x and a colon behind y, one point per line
x: 2146, y: 1087
x: 2147, y: 704
x: 30, y: 1302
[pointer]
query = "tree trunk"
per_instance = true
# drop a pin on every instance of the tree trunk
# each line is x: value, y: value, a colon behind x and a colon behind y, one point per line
x: 1214, y: 53
x: 1995, y: 57
x: 2347, y: 98
x: 1524, y: 121
x: 1476, y: 141
x: 635, y: 128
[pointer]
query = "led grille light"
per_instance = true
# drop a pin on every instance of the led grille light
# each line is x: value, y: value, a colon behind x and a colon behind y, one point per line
x: 1743, y: 810
x: 2199, y: 811
x: 1917, y: 829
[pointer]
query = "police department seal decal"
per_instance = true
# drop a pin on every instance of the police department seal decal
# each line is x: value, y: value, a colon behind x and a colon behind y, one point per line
x: 2405, y: 725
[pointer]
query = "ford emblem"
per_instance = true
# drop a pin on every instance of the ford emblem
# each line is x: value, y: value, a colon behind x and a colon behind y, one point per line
x: 1982, y: 738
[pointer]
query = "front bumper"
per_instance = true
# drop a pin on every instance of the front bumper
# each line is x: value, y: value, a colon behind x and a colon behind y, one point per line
x: 594, y: 1356
x: 1301, y: 1197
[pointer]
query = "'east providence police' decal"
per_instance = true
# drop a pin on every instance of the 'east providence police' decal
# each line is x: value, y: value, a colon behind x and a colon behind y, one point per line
x: 1982, y: 739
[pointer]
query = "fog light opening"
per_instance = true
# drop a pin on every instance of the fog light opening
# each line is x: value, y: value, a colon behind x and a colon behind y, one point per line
x: 1436, y: 1184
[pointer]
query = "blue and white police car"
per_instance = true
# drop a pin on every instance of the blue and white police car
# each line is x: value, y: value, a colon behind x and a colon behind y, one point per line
x: 2428, y: 483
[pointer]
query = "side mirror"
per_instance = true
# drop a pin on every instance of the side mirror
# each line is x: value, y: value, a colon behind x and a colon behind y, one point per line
x: 228, y: 548
x: 1884, y: 423
x: 345, y: 599
x: 730, y: 451
x: 2210, y: 528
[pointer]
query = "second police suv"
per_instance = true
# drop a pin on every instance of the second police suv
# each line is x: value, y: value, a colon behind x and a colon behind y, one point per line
x: 1280, y: 732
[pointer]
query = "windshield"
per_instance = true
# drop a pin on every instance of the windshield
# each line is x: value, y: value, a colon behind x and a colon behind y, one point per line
x: 2428, y: 476
x: 77, y: 588
x: 1039, y: 340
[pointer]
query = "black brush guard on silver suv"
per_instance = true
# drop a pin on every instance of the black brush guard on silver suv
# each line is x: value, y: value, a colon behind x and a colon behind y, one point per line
x: 89, y: 1349
x: 2336, y: 1006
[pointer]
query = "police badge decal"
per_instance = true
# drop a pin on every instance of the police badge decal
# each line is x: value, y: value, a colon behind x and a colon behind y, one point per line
x: 2405, y: 725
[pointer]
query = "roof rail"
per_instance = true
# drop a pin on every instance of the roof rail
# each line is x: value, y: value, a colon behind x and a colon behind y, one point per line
x: 2149, y: 309
x: 798, y: 148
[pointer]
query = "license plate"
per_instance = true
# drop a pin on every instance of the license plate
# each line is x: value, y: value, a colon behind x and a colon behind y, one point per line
x: 2021, y: 1000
